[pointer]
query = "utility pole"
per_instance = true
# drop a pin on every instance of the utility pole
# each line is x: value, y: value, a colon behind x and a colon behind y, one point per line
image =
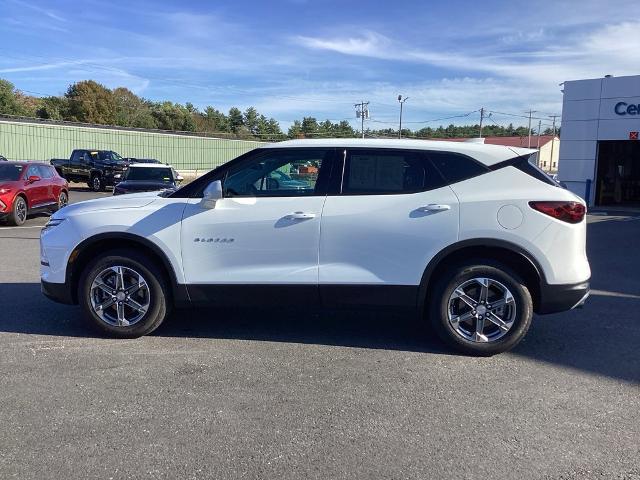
x: 481, y: 120
x: 539, y: 129
x: 530, y: 112
x: 553, y: 139
x: 362, y: 112
x: 401, y: 101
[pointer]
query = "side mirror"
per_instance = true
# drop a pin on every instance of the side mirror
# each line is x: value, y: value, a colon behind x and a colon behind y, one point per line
x: 212, y: 193
x: 179, y: 178
x: 33, y: 179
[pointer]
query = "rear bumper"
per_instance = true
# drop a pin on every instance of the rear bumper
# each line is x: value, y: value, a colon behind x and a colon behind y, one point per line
x: 560, y: 298
x: 58, y: 292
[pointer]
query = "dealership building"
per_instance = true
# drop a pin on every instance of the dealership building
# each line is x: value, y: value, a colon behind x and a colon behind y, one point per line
x: 599, y: 148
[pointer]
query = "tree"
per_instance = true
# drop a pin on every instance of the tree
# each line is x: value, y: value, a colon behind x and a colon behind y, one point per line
x: 309, y: 126
x: 53, y: 108
x: 173, y: 116
x: 235, y: 119
x: 250, y: 120
x: 215, y: 120
x: 9, y: 99
x: 128, y: 107
x: 91, y: 102
x: 295, y: 130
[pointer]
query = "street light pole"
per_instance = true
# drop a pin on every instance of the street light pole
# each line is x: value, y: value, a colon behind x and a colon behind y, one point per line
x: 401, y: 101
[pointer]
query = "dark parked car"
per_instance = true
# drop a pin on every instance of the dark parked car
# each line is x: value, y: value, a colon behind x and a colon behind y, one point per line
x: 143, y: 160
x: 147, y: 177
x: 29, y: 187
x: 97, y: 168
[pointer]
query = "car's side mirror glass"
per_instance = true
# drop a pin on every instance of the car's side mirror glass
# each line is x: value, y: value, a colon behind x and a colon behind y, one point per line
x: 212, y: 193
x: 34, y: 178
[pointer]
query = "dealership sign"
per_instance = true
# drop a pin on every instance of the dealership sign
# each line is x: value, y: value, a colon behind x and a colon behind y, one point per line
x: 624, y: 108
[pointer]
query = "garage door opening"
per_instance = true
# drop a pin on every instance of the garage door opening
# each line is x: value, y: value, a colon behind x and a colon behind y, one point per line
x: 618, y: 179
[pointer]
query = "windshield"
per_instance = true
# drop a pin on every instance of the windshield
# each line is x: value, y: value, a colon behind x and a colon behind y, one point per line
x: 149, y: 174
x: 10, y: 173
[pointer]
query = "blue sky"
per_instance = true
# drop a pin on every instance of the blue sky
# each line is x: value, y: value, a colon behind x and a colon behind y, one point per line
x: 297, y: 57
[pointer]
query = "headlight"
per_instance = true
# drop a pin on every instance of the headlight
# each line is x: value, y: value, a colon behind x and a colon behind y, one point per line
x: 54, y: 222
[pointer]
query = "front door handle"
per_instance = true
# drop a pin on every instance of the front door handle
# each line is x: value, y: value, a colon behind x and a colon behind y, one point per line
x: 434, y: 207
x: 301, y: 215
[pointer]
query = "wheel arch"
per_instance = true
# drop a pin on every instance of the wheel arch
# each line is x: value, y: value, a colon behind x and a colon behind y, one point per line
x: 88, y: 248
x: 513, y: 256
x: 24, y: 195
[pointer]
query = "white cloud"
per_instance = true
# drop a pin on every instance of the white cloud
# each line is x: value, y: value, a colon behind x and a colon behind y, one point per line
x: 43, y: 11
x: 370, y: 44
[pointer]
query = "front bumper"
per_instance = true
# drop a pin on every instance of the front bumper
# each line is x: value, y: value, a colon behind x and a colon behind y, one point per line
x: 58, y: 292
x: 560, y: 298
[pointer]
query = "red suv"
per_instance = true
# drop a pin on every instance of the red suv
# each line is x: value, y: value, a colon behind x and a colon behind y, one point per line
x: 30, y: 187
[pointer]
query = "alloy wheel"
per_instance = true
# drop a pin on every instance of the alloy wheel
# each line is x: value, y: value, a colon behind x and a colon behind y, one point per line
x: 63, y: 200
x: 120, y: 296
x: 21, y: 210
x: 481, y: 310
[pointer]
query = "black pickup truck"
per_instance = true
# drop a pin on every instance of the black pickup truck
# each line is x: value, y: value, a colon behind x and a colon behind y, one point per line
x: 95, y: 167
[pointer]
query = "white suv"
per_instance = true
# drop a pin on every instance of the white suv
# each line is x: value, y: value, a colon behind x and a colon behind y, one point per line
x: 473, y: 237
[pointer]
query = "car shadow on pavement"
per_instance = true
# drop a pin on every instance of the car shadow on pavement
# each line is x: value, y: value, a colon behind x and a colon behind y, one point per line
x: 23, y: 309
x: 597, y: 344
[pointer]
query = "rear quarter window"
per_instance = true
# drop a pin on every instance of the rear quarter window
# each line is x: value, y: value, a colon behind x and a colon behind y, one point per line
x: 455, y: 167
x: 526, y: 164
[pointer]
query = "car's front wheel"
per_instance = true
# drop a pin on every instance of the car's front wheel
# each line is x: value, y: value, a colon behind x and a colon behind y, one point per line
x: 481, y: 308
x: 19, y: 213
x: 124, y: 294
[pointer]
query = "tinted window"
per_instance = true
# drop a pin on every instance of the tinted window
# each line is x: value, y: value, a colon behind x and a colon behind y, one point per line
x: 77, y: 156
x: 44, y: 172
x: 371, y: 172
x: 277, y: 173
x: 33, y: 171
x: 455, y: 167
x: 149, y: 174
x: 526, y: 164
x: 10, y: 172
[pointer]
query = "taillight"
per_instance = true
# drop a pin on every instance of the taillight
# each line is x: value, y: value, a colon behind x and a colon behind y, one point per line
x: 570, y: 212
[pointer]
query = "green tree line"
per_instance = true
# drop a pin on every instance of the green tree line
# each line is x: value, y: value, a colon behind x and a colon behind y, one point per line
x: 88, y: 101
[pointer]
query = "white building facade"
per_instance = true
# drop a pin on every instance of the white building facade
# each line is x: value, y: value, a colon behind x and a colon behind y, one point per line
x: 600, y: 149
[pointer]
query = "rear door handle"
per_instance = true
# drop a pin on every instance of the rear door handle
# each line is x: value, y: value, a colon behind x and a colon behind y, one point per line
x: 434, y: 207
x: 301, y: 215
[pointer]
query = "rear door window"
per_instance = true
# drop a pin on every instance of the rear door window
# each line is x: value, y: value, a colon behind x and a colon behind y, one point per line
x: 386, y: 171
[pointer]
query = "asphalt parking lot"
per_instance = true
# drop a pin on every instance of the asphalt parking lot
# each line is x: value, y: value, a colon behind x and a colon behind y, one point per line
x: 291, y: 394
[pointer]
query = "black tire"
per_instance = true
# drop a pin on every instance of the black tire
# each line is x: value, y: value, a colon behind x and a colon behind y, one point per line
x: 19, y: 212
x: 438, y: 308
x: 158, y: 290
x: 63, y: 200
x: 97, y: 183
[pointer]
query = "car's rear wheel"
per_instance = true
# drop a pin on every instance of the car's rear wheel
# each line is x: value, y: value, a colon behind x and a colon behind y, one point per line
x: 63, y: 200
x: 19, y: 213
x: 124, y: 294
x: 481, y: 308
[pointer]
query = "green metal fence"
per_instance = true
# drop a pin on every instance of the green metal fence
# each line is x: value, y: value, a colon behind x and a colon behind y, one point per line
x: 25, y: 140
